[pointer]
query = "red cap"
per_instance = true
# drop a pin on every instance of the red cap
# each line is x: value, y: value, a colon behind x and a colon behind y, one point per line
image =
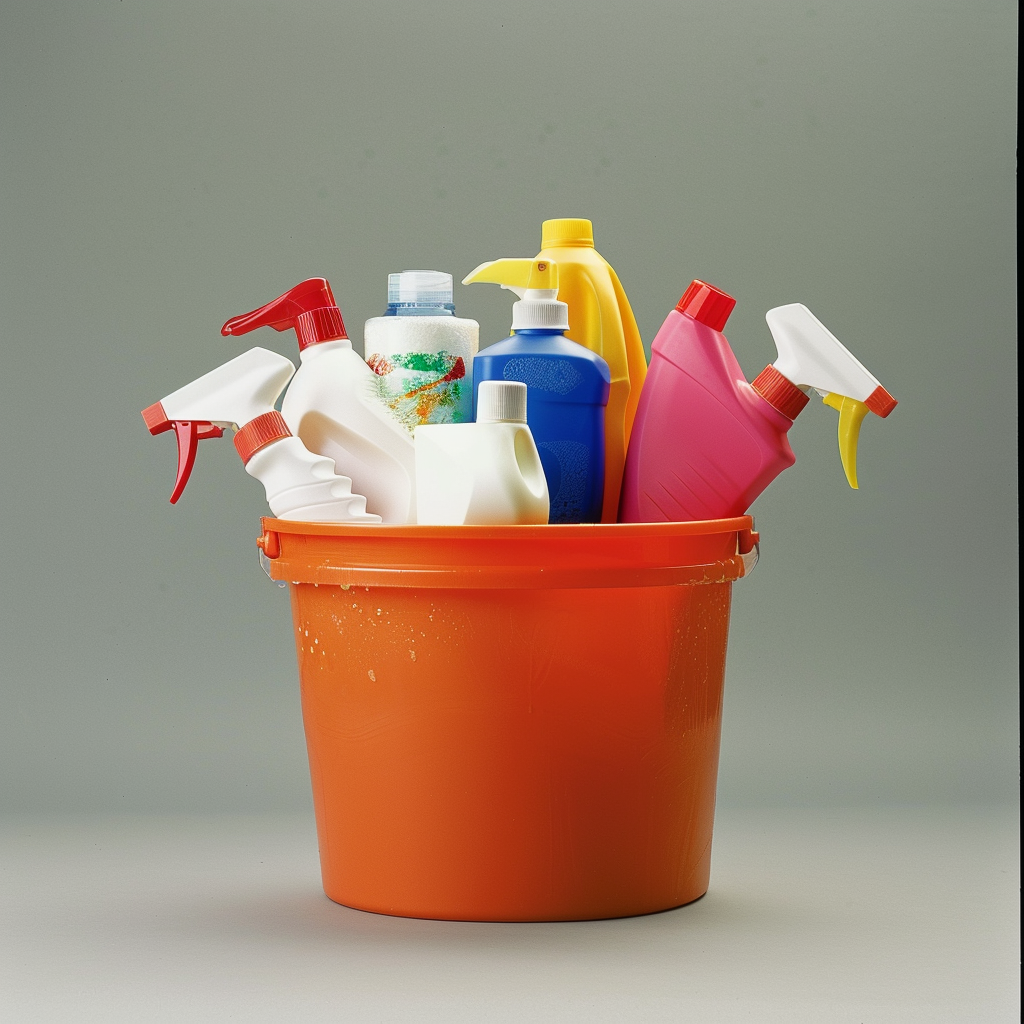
x: 260, y: 432
x: 308, y: 308
x: 779, y: 392
x: 706, y: 304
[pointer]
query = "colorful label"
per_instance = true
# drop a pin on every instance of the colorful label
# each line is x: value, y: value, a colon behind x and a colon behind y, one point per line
x: 424, y: 387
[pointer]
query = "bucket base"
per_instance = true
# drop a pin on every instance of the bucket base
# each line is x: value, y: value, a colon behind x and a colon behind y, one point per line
x: 350, y: 905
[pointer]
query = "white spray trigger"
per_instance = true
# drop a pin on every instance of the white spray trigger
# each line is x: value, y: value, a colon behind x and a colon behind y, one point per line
x: 810, y: 355
x: 234, y: 393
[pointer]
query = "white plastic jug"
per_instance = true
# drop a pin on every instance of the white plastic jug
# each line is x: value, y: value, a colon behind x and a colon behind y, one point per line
x: 486, y: 473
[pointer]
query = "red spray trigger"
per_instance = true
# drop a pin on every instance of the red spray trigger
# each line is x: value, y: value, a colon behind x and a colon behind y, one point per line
x: 308, y: 308
x: 188, y: 434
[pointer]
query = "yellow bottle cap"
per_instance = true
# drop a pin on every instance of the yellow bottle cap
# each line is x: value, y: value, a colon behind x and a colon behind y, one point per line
x: 567, y: 231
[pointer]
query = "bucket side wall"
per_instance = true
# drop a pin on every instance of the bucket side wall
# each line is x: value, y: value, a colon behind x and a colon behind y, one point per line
x: 513, y: 755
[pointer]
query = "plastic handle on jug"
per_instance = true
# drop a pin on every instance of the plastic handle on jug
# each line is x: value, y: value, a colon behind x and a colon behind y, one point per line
x: 309, y: 309
x: 188, y: 434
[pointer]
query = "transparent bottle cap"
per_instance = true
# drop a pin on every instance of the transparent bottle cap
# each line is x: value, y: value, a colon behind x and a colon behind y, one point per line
x: 420, y: 288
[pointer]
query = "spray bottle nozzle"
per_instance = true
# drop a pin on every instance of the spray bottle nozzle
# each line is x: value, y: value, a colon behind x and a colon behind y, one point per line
x: 188, y: 434
x: 517, y: 275
x: 536, y: 283
x: 241, y: 393
x: 811, y: 356
x: 309, y: 309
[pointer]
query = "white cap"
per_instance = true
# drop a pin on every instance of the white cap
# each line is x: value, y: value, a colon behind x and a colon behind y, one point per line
x: 501, y: 401
x: 540, y: 310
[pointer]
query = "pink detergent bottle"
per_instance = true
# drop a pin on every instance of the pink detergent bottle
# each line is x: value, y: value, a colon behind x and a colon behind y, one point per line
x: 706, y: 442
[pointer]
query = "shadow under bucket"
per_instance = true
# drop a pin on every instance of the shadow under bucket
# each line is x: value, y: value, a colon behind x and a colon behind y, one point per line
x: 512, y: 723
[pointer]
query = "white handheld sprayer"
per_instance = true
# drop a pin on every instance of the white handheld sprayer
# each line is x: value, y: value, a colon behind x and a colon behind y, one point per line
x: 241, y: 395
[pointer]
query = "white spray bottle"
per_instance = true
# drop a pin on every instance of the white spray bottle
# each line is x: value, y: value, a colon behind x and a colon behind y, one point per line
x: 241, y: 394
x: 333, y: 405
x: 486, y: 473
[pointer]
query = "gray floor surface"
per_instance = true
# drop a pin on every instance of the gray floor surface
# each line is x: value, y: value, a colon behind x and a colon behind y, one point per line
x: 860, y: 915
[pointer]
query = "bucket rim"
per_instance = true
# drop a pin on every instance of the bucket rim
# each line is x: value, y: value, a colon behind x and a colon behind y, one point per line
x: 743, y: 525
x: 564, y: 556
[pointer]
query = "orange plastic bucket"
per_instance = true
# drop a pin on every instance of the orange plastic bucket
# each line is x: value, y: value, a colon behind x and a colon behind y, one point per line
x: 512, y: 723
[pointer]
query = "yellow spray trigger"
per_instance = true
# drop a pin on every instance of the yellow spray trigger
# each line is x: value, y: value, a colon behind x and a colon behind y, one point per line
x: 851, y: 416
x: 516, y: 274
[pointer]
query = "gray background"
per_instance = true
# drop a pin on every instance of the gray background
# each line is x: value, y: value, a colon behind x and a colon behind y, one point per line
x: 165, y: 166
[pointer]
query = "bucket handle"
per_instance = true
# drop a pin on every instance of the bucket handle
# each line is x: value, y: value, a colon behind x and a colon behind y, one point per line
x: 270, y: 548
x: 748, y: 549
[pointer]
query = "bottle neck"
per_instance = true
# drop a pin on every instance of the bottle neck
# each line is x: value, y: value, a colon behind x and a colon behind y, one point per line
x: 536, y: 332
x: 780, y: 392
x: 417, y: 309
x: 321, y: 348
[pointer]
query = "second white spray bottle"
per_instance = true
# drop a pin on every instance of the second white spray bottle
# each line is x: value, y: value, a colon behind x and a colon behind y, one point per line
x: 241, y: 395
x: 332, y: 405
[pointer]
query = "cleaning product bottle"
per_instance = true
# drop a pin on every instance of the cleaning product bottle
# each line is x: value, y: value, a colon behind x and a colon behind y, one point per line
x: 600, y: 319
x: 422, y: 352
x: 332, y: 404
x: 486, y: 473
x: 705, y: 442
x: 241, y: 395
x: 567, y: 386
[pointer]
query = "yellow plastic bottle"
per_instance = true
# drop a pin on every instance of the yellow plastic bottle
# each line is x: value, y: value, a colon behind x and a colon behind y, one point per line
x: 600, y: 319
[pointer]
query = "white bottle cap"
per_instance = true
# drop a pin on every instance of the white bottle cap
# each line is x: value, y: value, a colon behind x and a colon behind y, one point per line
x: 501, y: 401
x: 540, y: 310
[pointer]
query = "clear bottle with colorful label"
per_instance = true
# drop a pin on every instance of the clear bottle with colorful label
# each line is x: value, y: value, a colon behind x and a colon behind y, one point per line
x: 421, y: 352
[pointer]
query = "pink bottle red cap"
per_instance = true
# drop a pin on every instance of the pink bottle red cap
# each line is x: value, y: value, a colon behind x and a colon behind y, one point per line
x: 706, y: 304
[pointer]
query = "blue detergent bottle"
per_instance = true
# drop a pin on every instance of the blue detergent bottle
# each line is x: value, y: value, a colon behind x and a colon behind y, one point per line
x: 567, y: 385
